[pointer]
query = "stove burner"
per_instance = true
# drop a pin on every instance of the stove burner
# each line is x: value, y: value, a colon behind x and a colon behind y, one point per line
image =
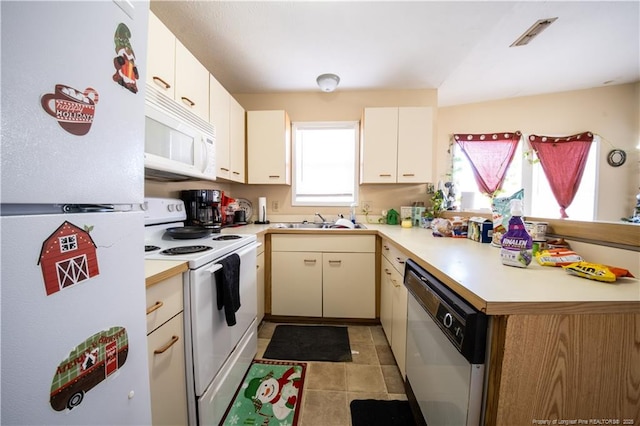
x: 150, y: 248
x: 226, y: 237
x: 185, y: 250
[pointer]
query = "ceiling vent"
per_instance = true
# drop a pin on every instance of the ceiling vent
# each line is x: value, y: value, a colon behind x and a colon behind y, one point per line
x: 532, y: 32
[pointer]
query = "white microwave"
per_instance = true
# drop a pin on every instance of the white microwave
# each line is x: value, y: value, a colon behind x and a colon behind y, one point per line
x: 178, y: 144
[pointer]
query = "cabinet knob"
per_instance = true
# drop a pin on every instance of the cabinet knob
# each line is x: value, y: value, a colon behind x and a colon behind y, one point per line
x: 274, y: 176
x: 161, y: 82
x: 223, y: 169
x: 155, y: 307
x: 385, y: 175
x: 386, y: 271
x: 164, y: 348
x: 335, y: 262
x: 400, y: 261
x: 408, y: 174
x: 309, y: 261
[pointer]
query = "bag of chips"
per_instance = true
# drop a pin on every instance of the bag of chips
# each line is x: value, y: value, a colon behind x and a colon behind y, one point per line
x: 595, y: 271
x: 557, y: 257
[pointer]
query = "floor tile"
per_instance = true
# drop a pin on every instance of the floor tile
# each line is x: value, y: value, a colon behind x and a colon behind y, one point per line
x: 359, y: 334
x: 363, y: 353
x: 266, y: 329
x: 392, y: 379
x: 385, y: 355
x: 326, y: 376
x: 325, y: 408
x: 377, y: 333
x: 365, y: 378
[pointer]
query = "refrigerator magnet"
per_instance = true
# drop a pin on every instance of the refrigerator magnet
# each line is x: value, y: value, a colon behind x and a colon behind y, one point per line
x: 73, y: 109
x: 87, y: 365
x: 126, y: 73
x: 68, y: 257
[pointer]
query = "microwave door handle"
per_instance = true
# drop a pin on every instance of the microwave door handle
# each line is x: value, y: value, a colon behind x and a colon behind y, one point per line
x: 205, y: 154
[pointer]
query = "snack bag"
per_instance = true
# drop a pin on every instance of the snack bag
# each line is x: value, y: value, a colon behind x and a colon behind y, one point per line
x: 557, y: 257
x: 594, y: 271
x: 501, y: 213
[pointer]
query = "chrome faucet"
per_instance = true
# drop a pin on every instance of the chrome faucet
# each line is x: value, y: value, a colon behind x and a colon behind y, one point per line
x: 320, y: 216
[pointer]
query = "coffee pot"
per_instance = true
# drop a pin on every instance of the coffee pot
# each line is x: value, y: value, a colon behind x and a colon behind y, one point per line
x: 203, y: 208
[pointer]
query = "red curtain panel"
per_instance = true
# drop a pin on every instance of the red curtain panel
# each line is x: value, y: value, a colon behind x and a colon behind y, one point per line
x: 563, y: 160
x: 490, y: 155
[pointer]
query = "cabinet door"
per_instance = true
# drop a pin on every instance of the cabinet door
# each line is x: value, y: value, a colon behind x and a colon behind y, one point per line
x: 378, y: 151
x: 161, y: 56
x: 415, y: 144
x: 219, y: 116
x: 260, y: 285
x: 192, y: 82
x: 386, y: 299
x: 296, y: 284
x: 237, y: 140
x: 165, y: 348
x: 268, y: 147
x: 348, y: 285
x: 399, y: 323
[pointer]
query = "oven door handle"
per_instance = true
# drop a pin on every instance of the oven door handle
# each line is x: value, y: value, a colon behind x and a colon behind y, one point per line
x: 215, y: 267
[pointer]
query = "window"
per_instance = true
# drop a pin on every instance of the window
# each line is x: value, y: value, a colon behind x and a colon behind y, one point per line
x: 324, y: 163
x: 68, y: 243
x: 538, y: 198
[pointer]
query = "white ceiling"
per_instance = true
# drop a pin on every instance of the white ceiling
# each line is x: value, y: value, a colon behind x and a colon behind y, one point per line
x: 459, y: 47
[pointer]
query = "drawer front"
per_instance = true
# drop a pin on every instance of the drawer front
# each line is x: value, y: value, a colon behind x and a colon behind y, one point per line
x: 164, y: 301
x: 167, y: 373
x: 324, y: 243
x: 393, y: 254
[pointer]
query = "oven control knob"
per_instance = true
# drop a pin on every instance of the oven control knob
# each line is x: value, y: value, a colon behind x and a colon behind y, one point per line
x: 170, y: 207
x: 458, y: 330
x: 179, y: 207
x: 447, y: 320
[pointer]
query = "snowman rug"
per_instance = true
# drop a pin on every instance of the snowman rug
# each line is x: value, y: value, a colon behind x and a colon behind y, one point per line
x: 270, y: 395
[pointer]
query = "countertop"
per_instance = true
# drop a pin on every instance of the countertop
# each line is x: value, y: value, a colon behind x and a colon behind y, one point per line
x: 474, y: 271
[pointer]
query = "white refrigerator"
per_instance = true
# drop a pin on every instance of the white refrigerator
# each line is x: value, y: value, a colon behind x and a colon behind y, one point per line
x: 73, y: 329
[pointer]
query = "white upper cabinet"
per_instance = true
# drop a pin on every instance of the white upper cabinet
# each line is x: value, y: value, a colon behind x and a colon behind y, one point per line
x: 161, y: 56
x: 237, y: 140
x: 219, y: 117
x: 396, y: 145
x: 192, y: 82
x: 175, y: 71
x: 268, y: 147
x: 228, y: 116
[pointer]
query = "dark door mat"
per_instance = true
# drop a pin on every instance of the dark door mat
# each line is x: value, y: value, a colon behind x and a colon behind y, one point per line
x: 372, y: 412
x: 309, y: 343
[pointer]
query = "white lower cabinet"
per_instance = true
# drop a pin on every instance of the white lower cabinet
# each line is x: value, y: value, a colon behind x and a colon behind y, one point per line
x: 165, y: 351
x: 323, y: 276
x: 260, y: 278
x: 393, y: 302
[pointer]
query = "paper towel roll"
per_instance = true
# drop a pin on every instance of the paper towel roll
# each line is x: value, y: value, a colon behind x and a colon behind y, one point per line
x: 262, y: 209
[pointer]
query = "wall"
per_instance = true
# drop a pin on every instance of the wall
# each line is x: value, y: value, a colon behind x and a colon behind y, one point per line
x: 611, y: 112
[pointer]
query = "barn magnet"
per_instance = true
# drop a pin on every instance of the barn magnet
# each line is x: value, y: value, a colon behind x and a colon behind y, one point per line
x: 68, y: 257
x: 126, y: 73
x: 87, y: 365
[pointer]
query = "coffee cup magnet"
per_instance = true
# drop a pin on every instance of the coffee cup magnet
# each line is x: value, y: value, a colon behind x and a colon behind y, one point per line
x: 74, y: 109
x: 126, y: 73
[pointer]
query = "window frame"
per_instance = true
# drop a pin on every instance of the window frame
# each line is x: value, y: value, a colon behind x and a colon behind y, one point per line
x: 319, y: 125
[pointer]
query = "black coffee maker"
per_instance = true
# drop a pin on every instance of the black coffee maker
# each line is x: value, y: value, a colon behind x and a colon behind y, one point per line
x: 203, y: 208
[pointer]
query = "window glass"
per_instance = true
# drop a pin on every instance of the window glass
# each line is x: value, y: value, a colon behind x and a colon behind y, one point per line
x: 324, y: 163
x: 526, y: 173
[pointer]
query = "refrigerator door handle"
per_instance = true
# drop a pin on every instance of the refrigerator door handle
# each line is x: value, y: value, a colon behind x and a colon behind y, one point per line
x: 87, y: 208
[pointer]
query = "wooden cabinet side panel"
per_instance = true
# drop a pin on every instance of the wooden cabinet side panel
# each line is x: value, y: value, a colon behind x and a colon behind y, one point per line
x: 568, y: 367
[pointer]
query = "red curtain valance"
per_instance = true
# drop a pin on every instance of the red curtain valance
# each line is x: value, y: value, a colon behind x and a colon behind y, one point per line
x: 490, y: 155
x: 563, y: 160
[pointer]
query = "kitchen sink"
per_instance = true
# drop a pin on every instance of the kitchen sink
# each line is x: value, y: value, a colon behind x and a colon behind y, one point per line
x: 313, y: 225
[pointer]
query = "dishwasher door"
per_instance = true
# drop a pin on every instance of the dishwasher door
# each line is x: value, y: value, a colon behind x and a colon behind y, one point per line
x: 447, y: 387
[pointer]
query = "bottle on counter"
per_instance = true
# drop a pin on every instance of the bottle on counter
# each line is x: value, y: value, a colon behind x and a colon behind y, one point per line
x: 516, y: 242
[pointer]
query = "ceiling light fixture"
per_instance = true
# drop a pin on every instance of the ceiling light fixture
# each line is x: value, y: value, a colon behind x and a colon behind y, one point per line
x: 532, y: 32
x: 328, y: 82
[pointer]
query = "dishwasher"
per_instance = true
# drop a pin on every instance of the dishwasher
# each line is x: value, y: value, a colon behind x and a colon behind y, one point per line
x: 446, y: 344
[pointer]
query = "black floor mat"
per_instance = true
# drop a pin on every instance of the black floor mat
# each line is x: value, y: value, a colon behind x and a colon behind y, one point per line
x: 372, y: 412
x: 309, y: 343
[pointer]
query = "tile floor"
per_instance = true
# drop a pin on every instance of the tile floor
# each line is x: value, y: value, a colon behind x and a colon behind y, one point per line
x: 331, y: 386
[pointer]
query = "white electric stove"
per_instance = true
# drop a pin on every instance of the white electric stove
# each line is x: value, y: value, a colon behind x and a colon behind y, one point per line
x: 217, y: 355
